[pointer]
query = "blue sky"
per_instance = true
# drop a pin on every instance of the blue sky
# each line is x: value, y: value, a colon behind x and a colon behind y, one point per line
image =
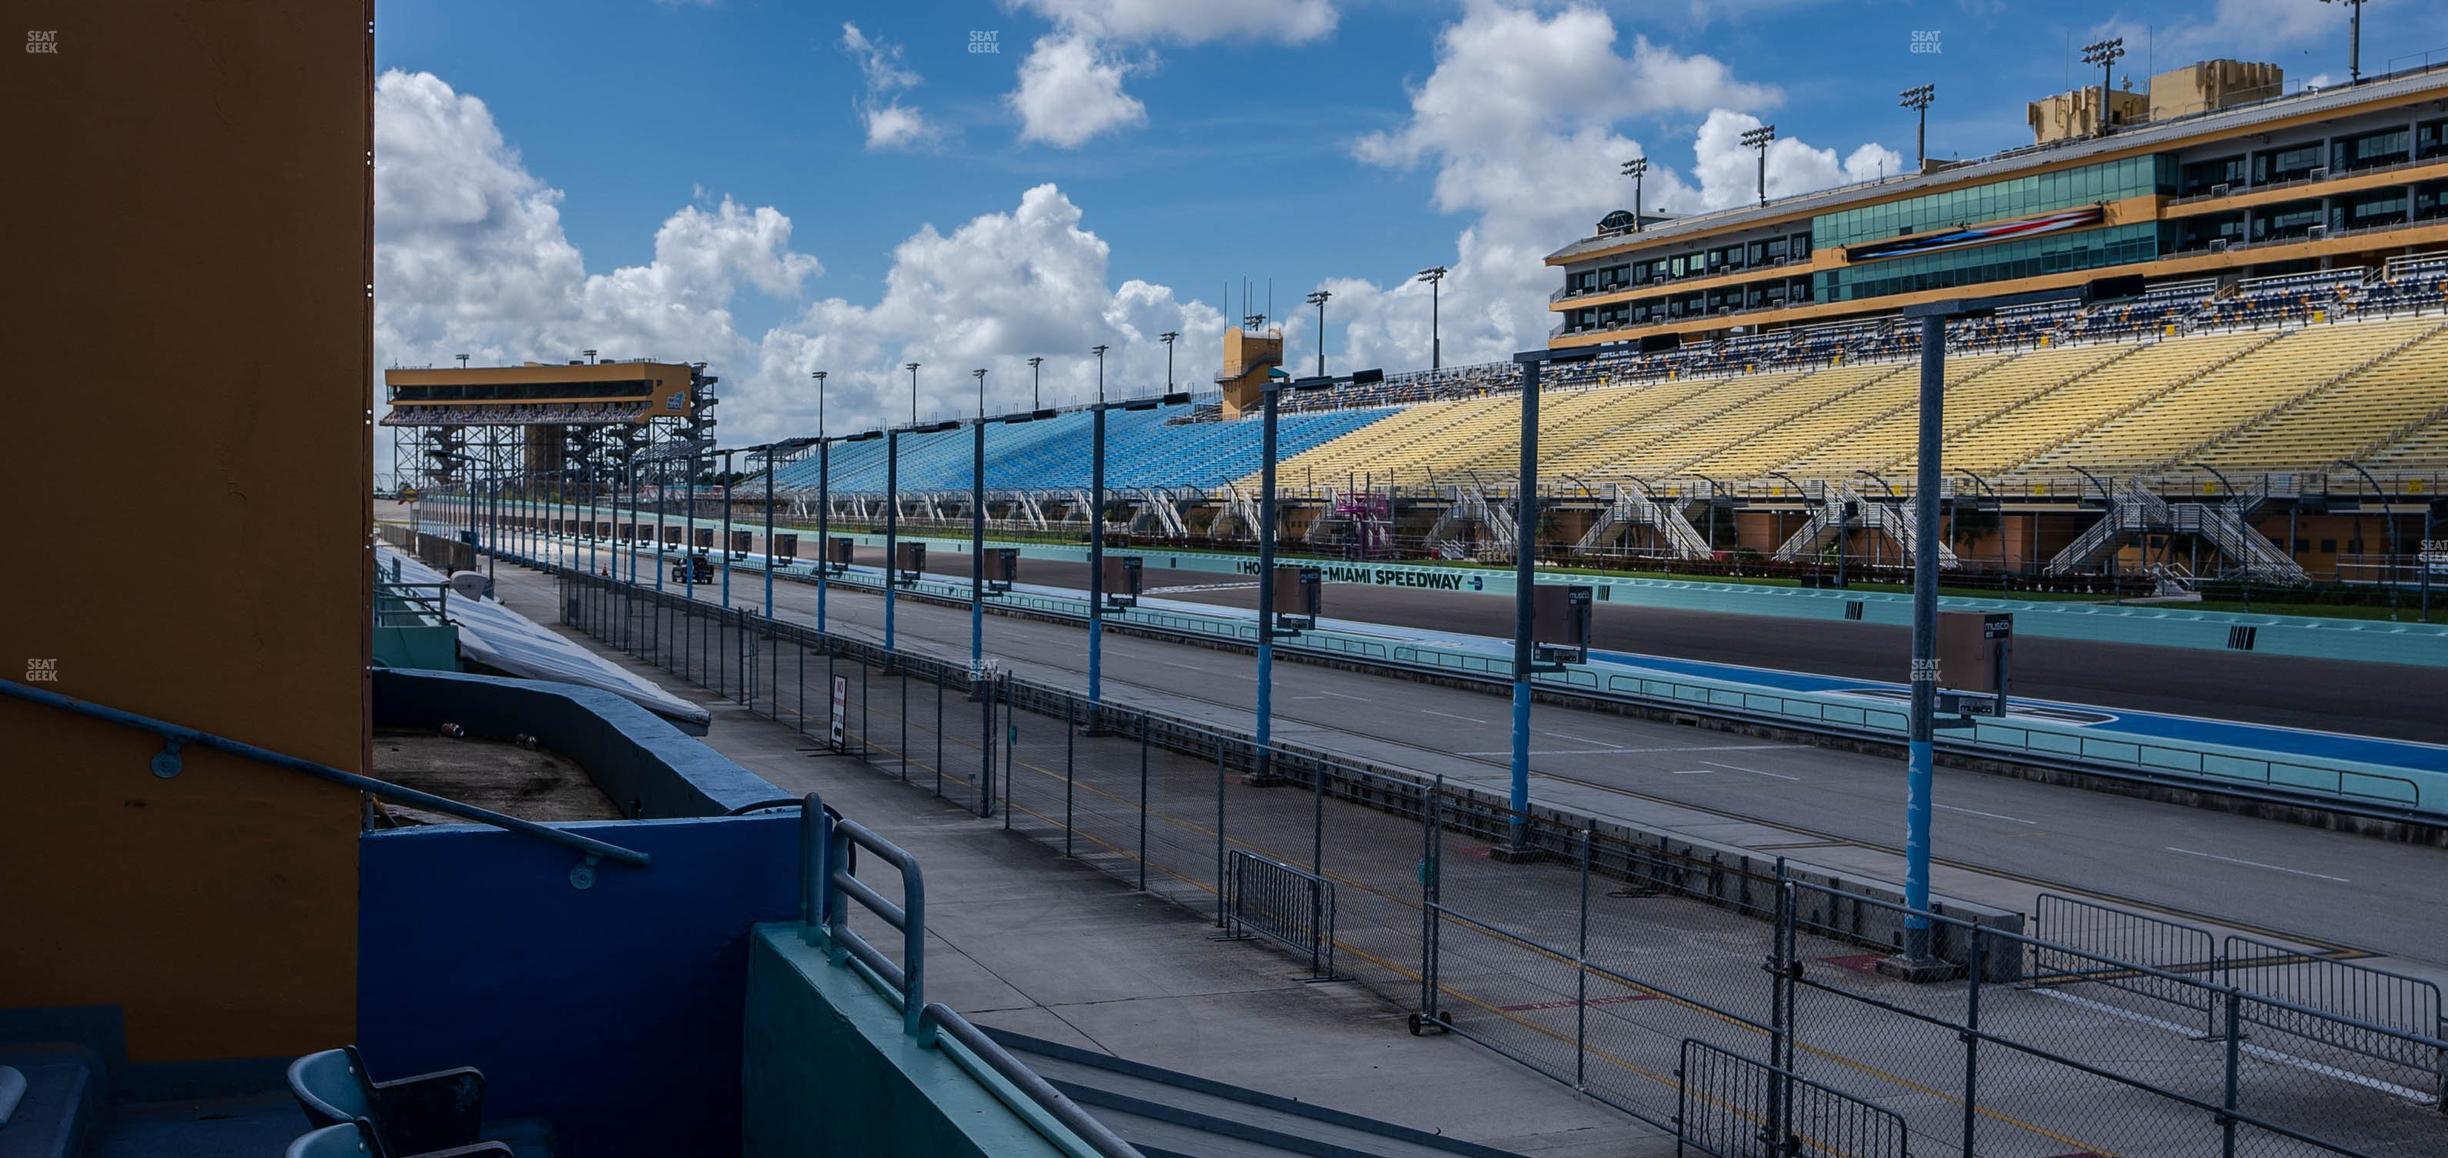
x: 1342, y: 143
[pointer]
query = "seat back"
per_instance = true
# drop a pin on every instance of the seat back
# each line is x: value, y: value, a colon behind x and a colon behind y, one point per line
x: 346, y: 1140
x: 330, y: 1087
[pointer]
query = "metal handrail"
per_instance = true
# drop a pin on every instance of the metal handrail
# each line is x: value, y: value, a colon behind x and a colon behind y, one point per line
x: 826, y: 869
x: 166, y: 764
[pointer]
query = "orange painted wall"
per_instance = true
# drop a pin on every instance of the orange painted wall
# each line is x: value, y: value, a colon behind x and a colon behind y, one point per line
x: 188, y: 292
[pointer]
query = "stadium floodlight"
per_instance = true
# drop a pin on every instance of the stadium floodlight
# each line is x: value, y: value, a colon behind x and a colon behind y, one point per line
x: 590, y: 356
x: 1636, y: 168
x: 1918, y: 98
x: 1099, y: 351
x: 1318, y: 298
x: 1435, y: 277
x: 912, y: 367
x: 463, y: 359
x: 1253, y: 321
x: 1758, y: 139
x: 1035, y: 379
x: 2354, y: 39
x: 1168, y: 338
x: 2104, y: 53
x: 820, y: 376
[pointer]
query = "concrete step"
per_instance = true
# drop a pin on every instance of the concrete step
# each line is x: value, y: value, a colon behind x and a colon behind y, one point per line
x: 1164, y: 1112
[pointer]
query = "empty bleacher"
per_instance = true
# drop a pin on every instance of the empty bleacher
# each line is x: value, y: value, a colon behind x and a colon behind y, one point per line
x: 2017, y: 434
x: 2284, y: 373
x: 2165, y: 428
x: 2348, y: 417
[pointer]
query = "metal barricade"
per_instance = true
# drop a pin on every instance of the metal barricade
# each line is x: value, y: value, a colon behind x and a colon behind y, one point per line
x: 1733, y: 1107
x: 1291, y: 906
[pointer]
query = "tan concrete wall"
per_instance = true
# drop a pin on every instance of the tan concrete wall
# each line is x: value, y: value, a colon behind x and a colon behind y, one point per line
x: 190, y: 257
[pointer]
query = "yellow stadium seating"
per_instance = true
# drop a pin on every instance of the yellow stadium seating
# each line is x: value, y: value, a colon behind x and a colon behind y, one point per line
x: 2169, y: 425
x: 2350, y: 418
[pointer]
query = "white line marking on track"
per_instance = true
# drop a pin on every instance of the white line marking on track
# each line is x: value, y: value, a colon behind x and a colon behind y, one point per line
x: 1578, y: 739
x: 1990, y: 815
x: 1354, y: 699
x: 2258, y: 864
x: 1753, y: 771
x: 1636, y: 751
x: 1449, y: 716
x: 1693, y: 772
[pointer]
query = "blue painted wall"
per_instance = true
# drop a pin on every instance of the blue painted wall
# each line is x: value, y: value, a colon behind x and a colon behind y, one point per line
x: 614, y: 1011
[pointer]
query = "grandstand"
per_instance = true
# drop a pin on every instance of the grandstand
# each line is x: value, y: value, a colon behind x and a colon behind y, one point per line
x: 1756, y: 359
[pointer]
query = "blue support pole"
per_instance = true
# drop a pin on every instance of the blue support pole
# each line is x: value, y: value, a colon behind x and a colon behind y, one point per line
x: 1921, y: 772
x: 824, y: 524
x: 977, y: 548
x: 892, y: 524
x: 724, y: 543
x: 1264, y: 765
x: 769, y: 531
x: 1096, y: 554
x: 1525, y: 576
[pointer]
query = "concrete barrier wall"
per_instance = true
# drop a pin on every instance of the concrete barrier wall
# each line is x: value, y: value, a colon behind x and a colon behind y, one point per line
x: 829, y: 1071
x: 612, y: 1010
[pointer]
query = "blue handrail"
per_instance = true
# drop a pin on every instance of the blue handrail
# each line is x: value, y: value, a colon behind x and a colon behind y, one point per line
x: 174, y: 736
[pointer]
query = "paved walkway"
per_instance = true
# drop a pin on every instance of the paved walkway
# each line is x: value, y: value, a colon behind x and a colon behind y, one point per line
x: 1021, y: 939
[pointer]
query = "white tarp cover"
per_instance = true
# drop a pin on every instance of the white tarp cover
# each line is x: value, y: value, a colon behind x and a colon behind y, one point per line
x: 506, y: 641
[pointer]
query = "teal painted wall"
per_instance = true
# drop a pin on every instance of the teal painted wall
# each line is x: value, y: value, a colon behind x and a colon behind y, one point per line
x: 828, y: 1071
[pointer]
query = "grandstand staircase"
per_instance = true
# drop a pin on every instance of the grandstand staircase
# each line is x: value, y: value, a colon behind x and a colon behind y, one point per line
x: 1470, y: 510
x: 1895, y: 520
x: 1025, y: 502
x: 1632, y: 508
x: 2225, y: 525
x: 1157, y: 504
x: 1240, y: 509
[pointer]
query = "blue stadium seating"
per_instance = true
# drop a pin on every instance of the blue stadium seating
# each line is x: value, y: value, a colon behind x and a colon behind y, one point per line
x: 1144, y: 448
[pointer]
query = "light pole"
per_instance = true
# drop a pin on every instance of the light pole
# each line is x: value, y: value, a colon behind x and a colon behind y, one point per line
x: 2354, y: 38
x: 1096, y: 538
x: 1917, y: 961
x: 1759, y: 139
x: 1168, y: 338
x: 725, y: 544
x: 977, y: 532
x: 1435, y: 277
x: 2104, y: 53
x: 912, y: 367
x: 1035, y: 380
x: 1525, y: 585
x: 1636, y: 168
x: 1918, y: 98
x: 1318, y: 298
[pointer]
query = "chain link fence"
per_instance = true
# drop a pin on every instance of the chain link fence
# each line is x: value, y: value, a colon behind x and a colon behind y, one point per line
x: 1736, y: 1003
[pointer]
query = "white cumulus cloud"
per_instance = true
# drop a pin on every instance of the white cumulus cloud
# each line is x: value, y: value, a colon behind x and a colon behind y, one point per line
x: 1190, y: 21
x: 1070, y: 91
x: 471, y: 257
x: 1523, y: 124
x: 890, y: 124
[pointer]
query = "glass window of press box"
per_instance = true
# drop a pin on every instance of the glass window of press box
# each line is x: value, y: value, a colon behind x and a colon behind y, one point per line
x: 2002, y: 261
x: 1998, y: 200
